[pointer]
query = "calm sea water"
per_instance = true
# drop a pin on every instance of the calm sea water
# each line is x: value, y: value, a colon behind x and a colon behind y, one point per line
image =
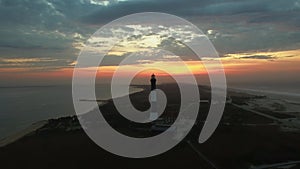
x: 22, y: 106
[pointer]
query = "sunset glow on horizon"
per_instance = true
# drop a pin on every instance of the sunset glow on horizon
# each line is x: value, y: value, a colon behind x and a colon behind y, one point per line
x: 241, y: 64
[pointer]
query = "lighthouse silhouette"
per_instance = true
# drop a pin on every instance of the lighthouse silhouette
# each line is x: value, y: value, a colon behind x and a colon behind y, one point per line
x: 153, y: 82
x: 153, y: 99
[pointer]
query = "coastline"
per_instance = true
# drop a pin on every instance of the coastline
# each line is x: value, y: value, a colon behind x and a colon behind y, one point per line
x: 278, y: 102
x: 287, y: 96
x: 27, y: 131
x: 62, y: 141
x: 281, y: 107
x: 40, y: 124
x: 139, y: 88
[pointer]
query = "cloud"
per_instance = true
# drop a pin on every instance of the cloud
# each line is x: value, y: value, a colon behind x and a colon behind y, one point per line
x: 58, y: 29
x: 191, y: 8
x: 26, y: 60
x: 237, y: 25
x: 31, y: 63
x: 265, y: 55
x: 258, y: 57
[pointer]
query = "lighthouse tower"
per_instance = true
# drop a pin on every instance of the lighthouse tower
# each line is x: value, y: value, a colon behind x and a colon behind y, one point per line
x: 153, y: 99
x: 153, y: 82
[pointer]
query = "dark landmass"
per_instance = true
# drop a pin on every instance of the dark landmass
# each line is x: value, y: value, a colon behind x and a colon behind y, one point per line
x: 242, y: 140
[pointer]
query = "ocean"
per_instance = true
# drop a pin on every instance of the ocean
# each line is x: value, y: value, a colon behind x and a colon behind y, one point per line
x: 22, y: 106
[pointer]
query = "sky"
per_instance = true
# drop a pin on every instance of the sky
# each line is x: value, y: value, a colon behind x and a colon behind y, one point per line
x: 258, y: 40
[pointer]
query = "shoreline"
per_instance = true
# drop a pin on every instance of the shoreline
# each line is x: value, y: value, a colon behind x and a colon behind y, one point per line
x: 266, y: 92
x: 250, y: 138
x: 277, y: 102
x: 40, y: 124
x: 18, y: 135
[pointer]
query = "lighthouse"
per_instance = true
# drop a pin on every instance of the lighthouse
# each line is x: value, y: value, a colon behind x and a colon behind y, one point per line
x: 153, y: 82
x: 153, y: 99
